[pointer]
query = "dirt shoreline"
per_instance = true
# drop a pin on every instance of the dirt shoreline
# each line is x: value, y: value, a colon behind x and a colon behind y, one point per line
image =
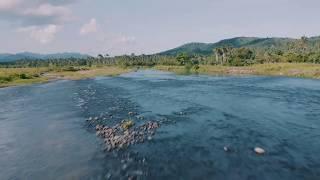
x: 49, y: 76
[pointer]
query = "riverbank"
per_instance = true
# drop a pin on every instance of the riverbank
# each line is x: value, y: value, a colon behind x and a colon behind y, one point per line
x: 302, y: 70
x: 24, y: 76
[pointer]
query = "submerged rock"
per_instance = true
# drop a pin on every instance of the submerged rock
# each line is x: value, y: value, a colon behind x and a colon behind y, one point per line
x: 132, y: 177
x: 124, y: 166
x: 226, y: 149
x: 108, y: 175
x: 131, y: 113
x: 138, y: 172
x: 99, y: 127
x: 127, y: 124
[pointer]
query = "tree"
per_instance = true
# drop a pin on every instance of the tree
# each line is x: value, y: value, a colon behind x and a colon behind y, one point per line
x: 183, y: 58
x: 224, y: 53
x: 219, y: 53
x: 100, y: 56
x: 242, y: 57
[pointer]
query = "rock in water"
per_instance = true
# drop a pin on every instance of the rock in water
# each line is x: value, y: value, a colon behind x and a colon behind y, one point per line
x: 259, y: 150
x: 226, y: 149
x: 127, y: 124
x: 124, y: 166
x: 108, y: 176
x: 131, y: 113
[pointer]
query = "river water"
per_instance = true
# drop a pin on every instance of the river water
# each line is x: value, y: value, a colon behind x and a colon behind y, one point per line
x: 44, y: 132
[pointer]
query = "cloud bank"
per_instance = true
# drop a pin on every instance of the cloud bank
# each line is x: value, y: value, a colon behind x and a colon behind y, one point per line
x: 41, y: 19
x: 44, y: 34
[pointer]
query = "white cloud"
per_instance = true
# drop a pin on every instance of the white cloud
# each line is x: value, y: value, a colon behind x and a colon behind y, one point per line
x: 42, y: 34
x: 90, y: 27
x: 39, y: 19
x: 126, y: 39
x: 115, y: 44
x: 47, y: 10
x: 36, y: 12
x: 6, y: 5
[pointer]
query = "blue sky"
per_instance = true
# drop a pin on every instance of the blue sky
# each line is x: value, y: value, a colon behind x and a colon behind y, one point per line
x: 146, y: 26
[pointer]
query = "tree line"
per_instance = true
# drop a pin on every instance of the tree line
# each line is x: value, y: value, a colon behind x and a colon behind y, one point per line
x: 295, y: 52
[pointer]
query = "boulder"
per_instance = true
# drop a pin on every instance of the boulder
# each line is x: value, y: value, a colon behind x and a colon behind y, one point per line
x: 259, y: 150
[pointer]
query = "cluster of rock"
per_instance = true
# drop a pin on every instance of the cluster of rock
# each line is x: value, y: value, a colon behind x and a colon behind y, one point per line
x: 124, y: 134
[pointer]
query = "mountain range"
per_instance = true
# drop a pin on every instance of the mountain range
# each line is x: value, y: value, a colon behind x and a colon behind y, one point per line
x: 190, y: 48
x: 237, y: 42
x: 6, y: 57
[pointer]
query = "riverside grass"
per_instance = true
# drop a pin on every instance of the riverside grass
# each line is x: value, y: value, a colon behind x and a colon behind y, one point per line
x: 24, y: 76
x: 301, y: 70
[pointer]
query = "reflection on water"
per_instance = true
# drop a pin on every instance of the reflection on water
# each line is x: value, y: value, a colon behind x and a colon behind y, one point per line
x: 45, y: 133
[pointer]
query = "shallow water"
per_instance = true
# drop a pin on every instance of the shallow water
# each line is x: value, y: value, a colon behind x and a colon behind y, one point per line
x: 44, y: 133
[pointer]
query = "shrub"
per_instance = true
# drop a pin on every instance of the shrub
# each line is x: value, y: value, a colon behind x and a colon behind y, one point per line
x: 5, y: 79
x: 24, y: 76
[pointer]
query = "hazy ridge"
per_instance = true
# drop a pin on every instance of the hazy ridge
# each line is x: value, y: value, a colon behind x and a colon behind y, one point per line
x: 6, y: 57
x: 237, y: 42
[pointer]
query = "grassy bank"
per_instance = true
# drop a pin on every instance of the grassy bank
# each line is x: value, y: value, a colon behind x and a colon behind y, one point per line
x: 87, y: 73
x: 276, y: 69
x: 23, y: 76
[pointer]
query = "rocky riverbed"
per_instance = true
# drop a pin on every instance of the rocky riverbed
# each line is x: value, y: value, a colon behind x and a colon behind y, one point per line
x: 120, y: 136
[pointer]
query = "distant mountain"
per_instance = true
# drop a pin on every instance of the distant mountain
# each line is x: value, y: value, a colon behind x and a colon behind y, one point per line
x: 28, y: 55
x: 249, y: 42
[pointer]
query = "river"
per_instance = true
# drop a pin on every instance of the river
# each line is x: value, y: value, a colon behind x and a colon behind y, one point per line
x: 44, y: 132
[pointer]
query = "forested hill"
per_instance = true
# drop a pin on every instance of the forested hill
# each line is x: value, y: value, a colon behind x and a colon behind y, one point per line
x: 32, y: 56
x: 248, y: 42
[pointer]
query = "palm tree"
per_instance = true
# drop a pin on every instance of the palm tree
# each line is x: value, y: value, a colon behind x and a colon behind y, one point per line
x: 100, y: 56
x: 226, y: 51
x: 219, y: 52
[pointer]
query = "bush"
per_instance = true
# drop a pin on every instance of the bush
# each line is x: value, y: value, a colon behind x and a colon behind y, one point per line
x: 36, y: 75
x: 71, y: 68
x: 5, y: 79
x: 24, y: 76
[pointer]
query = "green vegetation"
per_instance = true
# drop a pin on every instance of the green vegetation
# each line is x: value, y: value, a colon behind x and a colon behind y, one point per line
x: 232, y: 52
x: 15, y: 76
